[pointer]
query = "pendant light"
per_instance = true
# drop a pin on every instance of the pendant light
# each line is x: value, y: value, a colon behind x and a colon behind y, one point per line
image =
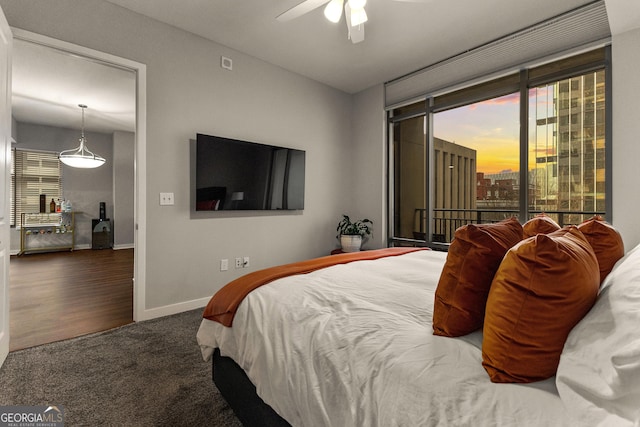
x: 81, y: 157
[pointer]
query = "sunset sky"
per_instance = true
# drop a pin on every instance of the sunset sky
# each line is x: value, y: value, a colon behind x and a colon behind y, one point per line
x: 490, y: 127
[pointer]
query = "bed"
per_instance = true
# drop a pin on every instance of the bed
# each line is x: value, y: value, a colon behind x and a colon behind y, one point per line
x: 353, y: 344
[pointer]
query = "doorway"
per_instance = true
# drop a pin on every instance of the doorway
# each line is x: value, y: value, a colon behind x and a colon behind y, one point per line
x: 60, y: 295
x: 108, y: 123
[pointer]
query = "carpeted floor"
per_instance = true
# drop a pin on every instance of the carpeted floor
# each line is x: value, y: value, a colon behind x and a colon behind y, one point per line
x: 144, y: 374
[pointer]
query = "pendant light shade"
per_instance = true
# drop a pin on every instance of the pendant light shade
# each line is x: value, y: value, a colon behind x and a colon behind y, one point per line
x: 81, y: 157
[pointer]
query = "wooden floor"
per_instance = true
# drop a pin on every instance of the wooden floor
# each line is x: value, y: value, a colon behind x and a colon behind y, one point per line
x: 61, y: 295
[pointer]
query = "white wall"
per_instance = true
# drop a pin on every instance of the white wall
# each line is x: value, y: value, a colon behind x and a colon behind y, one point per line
x: 188, y: 92
x: 626, y: 135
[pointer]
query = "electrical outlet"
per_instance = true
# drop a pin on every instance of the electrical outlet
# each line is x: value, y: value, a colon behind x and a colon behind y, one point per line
x: 245, y: 262
x: 224, y: 264
x: 238, y: 262
x: 166, y: 199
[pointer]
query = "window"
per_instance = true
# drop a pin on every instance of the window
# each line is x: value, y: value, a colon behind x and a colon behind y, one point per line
x: 475, y: 143
x: 33, y: 173
x: 460, y: 157
x: 567, y: 175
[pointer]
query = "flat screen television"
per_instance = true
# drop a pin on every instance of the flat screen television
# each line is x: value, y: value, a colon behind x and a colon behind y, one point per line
x: 242, y: 175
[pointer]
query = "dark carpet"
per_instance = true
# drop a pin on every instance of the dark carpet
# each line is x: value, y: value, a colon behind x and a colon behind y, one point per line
x: 144, y: 374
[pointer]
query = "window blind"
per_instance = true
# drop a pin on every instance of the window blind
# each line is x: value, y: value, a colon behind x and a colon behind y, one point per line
x: 579, y: 30
x: 34, y: 173
x: 562, y: 69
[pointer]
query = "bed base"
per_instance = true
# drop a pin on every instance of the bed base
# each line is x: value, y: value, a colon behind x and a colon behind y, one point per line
x: 240, y: 394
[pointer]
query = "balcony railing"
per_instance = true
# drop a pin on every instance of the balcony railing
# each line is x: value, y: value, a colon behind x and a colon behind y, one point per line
x: 447, y: 221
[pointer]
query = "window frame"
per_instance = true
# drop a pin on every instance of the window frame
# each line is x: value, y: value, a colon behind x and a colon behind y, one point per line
x: 16, y: 207
x: 522, y: 82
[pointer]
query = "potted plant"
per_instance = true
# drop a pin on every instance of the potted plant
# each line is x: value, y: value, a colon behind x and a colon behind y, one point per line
x: 353, y: 233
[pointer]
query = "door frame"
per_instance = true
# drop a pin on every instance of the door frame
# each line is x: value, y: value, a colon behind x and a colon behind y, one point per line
x: 6, y: 41
x: 139, y: 162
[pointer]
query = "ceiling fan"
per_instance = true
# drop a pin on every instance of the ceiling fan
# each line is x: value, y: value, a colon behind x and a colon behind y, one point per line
x: 355, y: 15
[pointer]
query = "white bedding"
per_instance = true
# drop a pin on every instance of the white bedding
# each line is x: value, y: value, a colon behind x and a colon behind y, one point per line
x: 599, y: 372
x: 352, y: 345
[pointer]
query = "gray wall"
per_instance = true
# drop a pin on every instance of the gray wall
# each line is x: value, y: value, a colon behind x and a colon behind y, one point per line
x: 188, y: 92
x: 368, y: 129
x: 370, y: 150
x: 85, y: 188
x: 14, y: 129
x: 123, y: 189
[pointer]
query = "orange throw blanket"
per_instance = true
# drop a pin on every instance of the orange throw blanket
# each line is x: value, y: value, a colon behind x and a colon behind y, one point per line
x: 222, y: 307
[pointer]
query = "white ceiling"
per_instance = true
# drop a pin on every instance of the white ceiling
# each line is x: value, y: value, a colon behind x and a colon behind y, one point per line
x: 49, y: 84
x: 400, y: 37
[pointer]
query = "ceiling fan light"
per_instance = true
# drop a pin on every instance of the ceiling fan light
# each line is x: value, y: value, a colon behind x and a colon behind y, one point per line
x: 357, y: 4
x: 333, y: 10
x: 358, y: 17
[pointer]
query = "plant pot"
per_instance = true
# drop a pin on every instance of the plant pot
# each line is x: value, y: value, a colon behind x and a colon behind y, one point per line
x: 351, y: 243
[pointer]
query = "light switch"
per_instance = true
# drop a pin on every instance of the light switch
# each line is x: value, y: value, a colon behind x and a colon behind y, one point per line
x: 166, y: 199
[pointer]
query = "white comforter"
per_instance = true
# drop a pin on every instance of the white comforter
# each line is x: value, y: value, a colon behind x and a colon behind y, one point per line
x: 352, y: 345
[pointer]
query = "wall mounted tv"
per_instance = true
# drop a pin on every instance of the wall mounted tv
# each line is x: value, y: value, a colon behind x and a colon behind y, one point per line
x: 242, y: 175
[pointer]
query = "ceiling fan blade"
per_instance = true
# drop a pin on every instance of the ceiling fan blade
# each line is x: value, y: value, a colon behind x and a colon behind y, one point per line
x: 300, y: 9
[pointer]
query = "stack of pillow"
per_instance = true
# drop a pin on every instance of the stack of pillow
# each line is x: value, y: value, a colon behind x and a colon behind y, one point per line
x: 526, y: 286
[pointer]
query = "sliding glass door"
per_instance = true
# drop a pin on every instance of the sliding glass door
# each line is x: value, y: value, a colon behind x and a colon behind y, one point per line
x: 409, y: 175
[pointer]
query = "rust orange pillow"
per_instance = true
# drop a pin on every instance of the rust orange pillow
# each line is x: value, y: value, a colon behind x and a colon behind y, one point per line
x: 473, y: 258
x: 539, y: 224
x: 605, y: 241
x: 542, y: 289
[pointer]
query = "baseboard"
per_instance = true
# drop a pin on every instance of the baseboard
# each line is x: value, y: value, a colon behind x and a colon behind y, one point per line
x: 168, y: 310
x: 124, y: 246
x: 75, y: 248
